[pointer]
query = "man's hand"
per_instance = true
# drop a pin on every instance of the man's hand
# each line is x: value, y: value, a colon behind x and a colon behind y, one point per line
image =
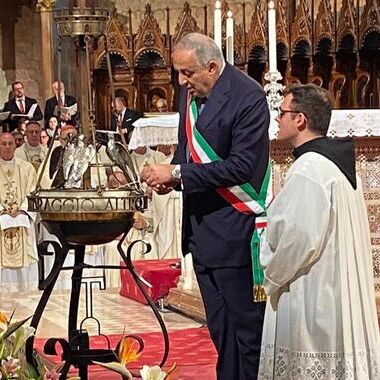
x: 159, y: 176
x: 162, y: 189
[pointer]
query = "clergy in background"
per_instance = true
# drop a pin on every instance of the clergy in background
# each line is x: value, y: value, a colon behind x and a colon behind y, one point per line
x: 320, y: 321
x: 18, y: 249
x: 143, y: 226
x: 167, y: 216
x: 32, y: 151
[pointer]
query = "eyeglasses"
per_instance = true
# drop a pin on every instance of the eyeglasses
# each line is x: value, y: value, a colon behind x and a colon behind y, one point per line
x: 281, y: 112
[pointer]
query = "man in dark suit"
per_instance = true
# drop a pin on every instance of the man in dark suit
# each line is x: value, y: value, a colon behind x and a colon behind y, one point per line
x: 63, y: 100
x: 234, y: 121
x: 122, y: 118
x: 20, y: 105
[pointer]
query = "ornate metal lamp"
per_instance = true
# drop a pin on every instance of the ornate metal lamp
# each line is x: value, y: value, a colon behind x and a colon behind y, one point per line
x: 79, y: 214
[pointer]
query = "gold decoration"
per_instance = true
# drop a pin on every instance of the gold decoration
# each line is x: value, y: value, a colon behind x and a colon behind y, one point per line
x: 259, y: 294
x: 45, y: 5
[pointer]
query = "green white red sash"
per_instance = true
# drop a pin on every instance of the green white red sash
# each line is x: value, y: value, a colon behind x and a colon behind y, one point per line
x: 243, y: 197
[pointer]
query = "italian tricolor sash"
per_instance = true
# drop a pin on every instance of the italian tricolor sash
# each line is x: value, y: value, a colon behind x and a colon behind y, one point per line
x: 243, y: 197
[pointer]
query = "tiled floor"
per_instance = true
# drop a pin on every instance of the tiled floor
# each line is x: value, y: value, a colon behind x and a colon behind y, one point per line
x: 113, y: 311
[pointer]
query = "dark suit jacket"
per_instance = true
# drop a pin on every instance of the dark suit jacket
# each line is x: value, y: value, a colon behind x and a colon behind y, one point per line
x: 235, y: 122
x: 13, y: 108
x: 130, y: 116
x: 52, y: 103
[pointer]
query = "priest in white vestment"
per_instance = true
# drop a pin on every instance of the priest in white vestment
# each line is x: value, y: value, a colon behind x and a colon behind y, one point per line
x: 32, y: 150
x: 167, y: 215
x: 320, y: 320
x: 18, y: 248
x: 143, y: 226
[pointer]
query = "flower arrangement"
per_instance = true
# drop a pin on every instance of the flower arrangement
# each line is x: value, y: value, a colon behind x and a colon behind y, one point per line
x: 129, y: 350
x: 12, y: 361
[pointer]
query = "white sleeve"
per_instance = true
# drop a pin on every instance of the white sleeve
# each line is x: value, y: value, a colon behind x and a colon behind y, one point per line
x: 297, y: 223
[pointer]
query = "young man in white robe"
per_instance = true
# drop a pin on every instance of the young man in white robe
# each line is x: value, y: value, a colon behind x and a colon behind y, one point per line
x: 18, y: 246
x: 320, y: 320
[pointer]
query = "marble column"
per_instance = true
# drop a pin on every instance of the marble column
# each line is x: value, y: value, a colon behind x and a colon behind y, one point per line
x: 46, y: 8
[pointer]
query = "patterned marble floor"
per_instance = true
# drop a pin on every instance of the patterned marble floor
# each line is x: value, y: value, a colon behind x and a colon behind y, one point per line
x: 113, y: 311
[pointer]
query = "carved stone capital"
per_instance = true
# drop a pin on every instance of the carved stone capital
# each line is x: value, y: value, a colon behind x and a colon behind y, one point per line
x: 45, y: 5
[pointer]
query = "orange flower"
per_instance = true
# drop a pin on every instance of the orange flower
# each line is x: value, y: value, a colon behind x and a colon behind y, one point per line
x: 3, y: 318
x: 130, y: 350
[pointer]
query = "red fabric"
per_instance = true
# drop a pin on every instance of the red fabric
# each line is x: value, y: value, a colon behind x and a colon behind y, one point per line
x: 21, y: 106
x: 191, y: 349
x: 159, y: 273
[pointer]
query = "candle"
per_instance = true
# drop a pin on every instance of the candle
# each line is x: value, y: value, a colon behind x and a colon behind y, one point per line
x: 272, y: 37
x: 230, y: 38
x: 218, y: 24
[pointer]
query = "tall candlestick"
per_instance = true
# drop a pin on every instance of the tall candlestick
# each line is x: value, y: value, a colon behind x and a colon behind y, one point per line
x: 218, y: 24
x: 272, y: 37
x: 230, y: 38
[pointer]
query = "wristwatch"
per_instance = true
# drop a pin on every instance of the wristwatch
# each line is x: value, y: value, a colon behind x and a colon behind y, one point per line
x: 176, y: 173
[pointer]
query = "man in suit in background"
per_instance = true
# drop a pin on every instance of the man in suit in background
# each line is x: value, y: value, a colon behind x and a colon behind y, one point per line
x: 62, y: 99
x: 20, y: 104
x: 233, y: 119
x: 122, y: 118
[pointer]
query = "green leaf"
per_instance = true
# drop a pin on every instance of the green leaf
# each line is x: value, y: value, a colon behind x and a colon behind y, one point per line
x: 116, y: 367
x: 21, y: 335
x: 2, y: 351
x: 32, y: 371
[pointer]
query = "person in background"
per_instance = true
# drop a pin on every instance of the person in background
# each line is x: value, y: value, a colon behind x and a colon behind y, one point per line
x: 52, y: 125
x: 166, y: 210
x: 32, y: 151
x: 19, y: 138
x: 18, y: 246
x: 20, y: 104
x: 21, y: 125
x: 44, y: 138
x: 229, y: 111
x: 122, y: 118
x: 63, y: 100
x: 320, y: 319
x: 162, y: 105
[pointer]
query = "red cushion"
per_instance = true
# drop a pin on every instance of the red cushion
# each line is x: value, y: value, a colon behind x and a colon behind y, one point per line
x: 159, y: 273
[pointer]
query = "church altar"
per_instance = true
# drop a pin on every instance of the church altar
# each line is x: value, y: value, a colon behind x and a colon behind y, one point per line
x: 361, y: 124
x: 350, y: 122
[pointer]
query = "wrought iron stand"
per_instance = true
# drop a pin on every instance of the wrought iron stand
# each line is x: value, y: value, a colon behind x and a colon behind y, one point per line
x: 76, y: 350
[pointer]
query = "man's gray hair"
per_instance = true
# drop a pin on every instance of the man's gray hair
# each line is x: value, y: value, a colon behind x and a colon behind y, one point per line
x: 205, y: 48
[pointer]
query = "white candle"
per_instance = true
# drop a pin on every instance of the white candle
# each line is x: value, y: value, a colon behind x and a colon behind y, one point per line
x: 272, y: 37
x: 218, y: 24
x: 230, y: 38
